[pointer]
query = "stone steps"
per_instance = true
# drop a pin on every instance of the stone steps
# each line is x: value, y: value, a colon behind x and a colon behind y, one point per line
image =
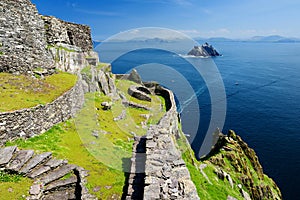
x: 136, y: 177
x: 61, y: 195
x: 19, y: 160
x: 49, y: 174
x: 35, y: 161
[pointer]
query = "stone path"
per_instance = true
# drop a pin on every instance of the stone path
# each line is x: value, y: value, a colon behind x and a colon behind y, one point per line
x: 136, y: 177
x: 53, y: 178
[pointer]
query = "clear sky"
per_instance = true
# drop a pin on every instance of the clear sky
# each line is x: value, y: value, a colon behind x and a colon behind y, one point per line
x: 196, y: 18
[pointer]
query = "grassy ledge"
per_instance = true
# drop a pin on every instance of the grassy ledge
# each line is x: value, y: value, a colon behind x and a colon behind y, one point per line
x: 19, y: 91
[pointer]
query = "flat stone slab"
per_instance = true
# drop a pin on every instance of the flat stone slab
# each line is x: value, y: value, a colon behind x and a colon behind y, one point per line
x: 6, y: 154
x: 22, y: 157
x: 61, y: 183
x: 35, y: 189
x: 56, y: 174
x: 35, y: 161
x: 139, y: 92
x: 135, y: 105
x: 53, y: 163
x: 37, y: 172
x: 61, y: 195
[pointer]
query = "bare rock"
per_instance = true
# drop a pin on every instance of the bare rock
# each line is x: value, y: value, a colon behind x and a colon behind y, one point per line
x: 61, y: 183
x: 35, y: 161
x: 56, y: 174
x: 139, y: 92
x: 21, y: 158
x: 6, y: 154
x: 106, y: 105
x: 61, y: 195
x: 135, y: 77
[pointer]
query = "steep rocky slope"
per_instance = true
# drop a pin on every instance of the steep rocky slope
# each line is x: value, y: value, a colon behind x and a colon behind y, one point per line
x: 231, y: 170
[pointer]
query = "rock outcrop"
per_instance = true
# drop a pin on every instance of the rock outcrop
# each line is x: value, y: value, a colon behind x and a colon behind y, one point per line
x: 204, y: 50
x: 139, y: 92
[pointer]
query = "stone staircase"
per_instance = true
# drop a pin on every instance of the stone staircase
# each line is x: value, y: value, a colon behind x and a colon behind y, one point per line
x: 136, y: 177
x: 53, y: 178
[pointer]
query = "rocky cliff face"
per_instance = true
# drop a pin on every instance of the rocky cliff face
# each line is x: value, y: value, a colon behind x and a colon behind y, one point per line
x: 231, y: 171
x: 232, y: 157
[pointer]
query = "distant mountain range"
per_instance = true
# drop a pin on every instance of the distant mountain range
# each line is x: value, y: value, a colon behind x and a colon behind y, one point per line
x: 271, y: 39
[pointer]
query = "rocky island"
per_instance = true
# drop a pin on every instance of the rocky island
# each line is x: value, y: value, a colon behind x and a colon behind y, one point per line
x: 204, y: 50
x: 58, y: 100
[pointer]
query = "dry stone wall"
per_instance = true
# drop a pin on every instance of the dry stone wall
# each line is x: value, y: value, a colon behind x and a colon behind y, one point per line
x: 22, y: 38
x: 32, y: 121
x: 26, y: 39
x: 166, y: 175
x: 157, y: 169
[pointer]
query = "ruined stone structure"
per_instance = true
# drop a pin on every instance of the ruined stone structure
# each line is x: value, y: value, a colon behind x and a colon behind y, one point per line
x: 58, y: 31
x: 22, y: 38
x: 29, y: 41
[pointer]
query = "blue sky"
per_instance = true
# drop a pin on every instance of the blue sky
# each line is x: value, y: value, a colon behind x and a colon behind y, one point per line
x: 196, y: 18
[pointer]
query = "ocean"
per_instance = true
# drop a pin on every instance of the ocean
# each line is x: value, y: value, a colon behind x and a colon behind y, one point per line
x: 262, y: 95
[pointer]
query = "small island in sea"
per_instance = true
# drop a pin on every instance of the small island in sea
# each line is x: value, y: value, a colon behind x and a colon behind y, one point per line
x: 204, y: 50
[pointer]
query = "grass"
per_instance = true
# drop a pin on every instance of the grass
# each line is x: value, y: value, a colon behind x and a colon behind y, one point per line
x: 20, y: 91
x: 13, y: 186
x: 157, y: 106
x: 94, y: 141
x: 106, y: 157
x: 218, y: 189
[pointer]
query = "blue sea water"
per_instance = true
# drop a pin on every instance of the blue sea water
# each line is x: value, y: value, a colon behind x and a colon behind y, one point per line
x: 262, y: 84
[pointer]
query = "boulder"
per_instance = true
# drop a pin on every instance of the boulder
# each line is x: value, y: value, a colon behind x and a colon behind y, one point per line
x: 106, y: 105
x: 135, y: 77
x: 139, y: 92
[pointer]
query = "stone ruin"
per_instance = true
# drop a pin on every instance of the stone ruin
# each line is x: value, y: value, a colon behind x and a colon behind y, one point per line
x: 58, y: 31
x: 26, y: 38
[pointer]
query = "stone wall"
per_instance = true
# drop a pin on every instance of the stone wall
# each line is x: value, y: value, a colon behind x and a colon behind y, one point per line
x: 25, y: 38
x: 167, y: 176
x: 157, y: 169
x: 58, y: 31
x: 32, y: 121
x: 22, y: 38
